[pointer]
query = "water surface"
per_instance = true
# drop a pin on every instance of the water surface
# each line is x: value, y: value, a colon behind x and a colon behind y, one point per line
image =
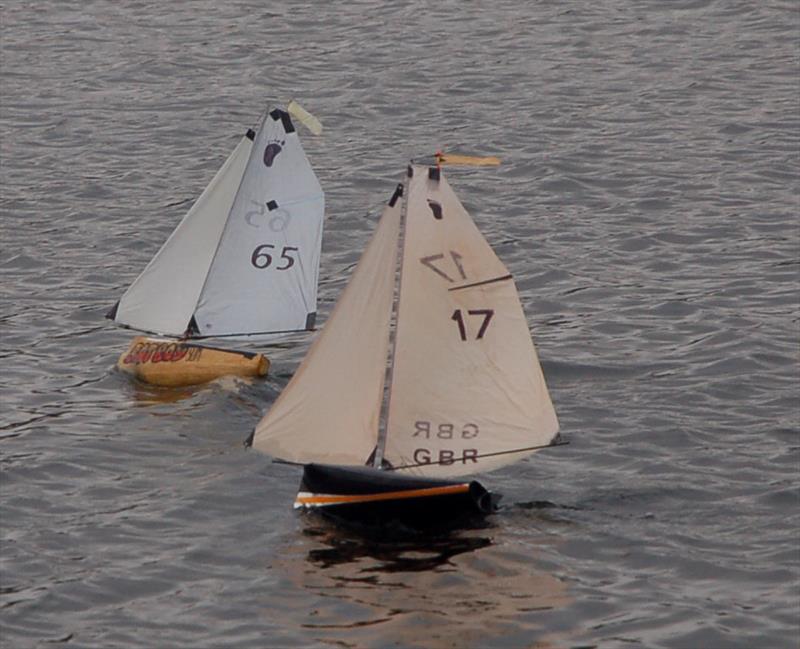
x: 647, y: 206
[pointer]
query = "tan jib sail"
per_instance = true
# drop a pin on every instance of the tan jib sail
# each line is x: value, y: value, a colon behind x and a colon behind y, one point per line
x: 467, y: 389
x: 330, y: 409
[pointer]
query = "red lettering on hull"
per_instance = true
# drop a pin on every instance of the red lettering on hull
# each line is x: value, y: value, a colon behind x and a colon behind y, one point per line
x: 162, y: 353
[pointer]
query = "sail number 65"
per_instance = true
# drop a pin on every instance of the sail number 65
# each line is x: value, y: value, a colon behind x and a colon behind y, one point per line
x: 261, y: 258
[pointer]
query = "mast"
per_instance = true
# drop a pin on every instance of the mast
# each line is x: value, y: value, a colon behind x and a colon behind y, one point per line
x: 383, y: 431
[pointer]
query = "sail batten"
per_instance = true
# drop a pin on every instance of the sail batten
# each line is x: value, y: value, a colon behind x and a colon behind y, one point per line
x: 502, y: 278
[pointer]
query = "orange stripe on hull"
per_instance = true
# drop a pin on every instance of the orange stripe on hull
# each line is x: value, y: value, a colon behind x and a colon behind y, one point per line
x: 388, y: 495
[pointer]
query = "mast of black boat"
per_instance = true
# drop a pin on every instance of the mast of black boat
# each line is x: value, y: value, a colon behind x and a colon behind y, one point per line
x: 400, y: 194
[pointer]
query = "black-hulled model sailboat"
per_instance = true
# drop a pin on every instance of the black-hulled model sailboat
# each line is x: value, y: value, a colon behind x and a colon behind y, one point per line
x: 466, y: 392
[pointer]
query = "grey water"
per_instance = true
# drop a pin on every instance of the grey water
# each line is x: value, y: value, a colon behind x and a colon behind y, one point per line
x: 648, y: 206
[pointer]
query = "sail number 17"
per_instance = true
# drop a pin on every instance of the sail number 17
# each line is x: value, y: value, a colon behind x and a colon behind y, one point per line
x: 462, y: 325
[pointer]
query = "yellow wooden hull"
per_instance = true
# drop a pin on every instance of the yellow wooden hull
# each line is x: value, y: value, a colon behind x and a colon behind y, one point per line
x: 175, y: 363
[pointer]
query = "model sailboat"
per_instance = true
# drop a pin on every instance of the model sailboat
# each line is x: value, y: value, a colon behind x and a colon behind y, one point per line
x: 466, y: 393
x: 242, y: 264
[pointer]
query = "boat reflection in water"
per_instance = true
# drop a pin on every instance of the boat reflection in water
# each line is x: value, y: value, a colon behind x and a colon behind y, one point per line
x: 412, y: 553
x: 466, y: 588
x: 145, y: 394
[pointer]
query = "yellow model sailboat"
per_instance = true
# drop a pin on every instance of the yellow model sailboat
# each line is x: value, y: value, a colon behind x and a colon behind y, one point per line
x: 243, y: 264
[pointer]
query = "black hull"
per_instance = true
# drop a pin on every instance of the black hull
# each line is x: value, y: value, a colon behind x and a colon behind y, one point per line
x: 371, y: 497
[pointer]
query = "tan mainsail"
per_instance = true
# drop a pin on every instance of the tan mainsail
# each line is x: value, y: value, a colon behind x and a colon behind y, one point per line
x: 329, y: 411
x: 171, y: 363
x: 466, y: 379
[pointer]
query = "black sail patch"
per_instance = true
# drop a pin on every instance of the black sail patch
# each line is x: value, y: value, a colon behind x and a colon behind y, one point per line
x: 436, y: 208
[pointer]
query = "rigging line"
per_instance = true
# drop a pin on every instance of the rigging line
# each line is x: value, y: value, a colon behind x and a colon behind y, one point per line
x: 516, y: 450
x: 377, y: 208
x: 481, y: 283
x: 276, y: 460
x: 289, y: 462
x: 429, y: 159
x: 179, y: 338
x: 247, y: 335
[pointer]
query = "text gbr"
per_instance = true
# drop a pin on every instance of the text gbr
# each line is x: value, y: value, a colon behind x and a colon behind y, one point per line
x: 427, y: 430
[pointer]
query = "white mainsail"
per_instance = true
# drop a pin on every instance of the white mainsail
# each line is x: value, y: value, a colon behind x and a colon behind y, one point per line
x: 466, y: 381
x: 330, y: 409
x: 245, y: 258
x: 264, y: 275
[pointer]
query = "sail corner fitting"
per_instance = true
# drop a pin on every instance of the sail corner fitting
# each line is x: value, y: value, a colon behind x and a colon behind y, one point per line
x: 283, y: 116
x: 384, y: 463
x: 398, y: 193
x: 248, y: 443
x: 112, y: 312
x: 192, y: 329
